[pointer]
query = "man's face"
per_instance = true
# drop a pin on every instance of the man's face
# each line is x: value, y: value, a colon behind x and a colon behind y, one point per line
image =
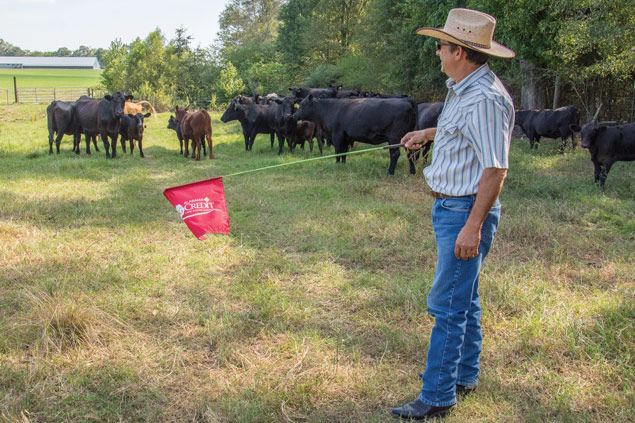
x: 445, y: 54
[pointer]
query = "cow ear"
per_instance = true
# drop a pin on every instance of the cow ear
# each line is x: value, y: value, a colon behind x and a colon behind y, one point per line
x: 108, y: 97
x: 291, y: 89
x: 310, y: 97
x: 297, y: 100
x: 575, y: 128
x: 129, y: 97
x: 131, y: 116
x: 277, y: 100
x: 147, y: 115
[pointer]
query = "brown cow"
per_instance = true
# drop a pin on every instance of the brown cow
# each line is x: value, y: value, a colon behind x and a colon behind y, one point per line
x: 134, y: 108
x: 196, y: 127
x: 306, y: 131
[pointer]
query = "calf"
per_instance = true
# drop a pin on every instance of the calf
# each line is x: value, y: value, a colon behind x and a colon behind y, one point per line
x: 196, y: 127
x: 176, y: 126
x: 607, y: 145
x: 549, y: 123
x: 306, y: 131
x: 367, y: 120
x: 131, y: 129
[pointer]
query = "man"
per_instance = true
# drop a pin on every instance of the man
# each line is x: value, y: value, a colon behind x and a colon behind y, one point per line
x: 469, y: 165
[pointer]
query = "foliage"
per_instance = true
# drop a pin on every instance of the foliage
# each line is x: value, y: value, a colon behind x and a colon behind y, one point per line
x: 230, y: 84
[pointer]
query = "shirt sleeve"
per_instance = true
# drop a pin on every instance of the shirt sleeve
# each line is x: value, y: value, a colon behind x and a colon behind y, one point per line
x: 488, y: 130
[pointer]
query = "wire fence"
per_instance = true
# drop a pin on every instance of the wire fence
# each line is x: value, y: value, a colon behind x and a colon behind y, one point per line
x: 4, y: 94
x: 48, y: 94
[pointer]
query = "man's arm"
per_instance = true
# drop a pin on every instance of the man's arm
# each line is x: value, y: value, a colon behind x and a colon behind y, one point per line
x: 416, y: 139
x: 489, y: 188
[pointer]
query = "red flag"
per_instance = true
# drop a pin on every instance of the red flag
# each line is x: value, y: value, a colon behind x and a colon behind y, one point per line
x: 202, y: 206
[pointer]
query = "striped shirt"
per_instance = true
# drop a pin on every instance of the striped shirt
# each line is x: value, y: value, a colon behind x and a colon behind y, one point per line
x: 473, y: 133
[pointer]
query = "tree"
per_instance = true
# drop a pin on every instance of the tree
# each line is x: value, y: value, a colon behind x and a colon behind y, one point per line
x: 8, y: 49
x: 229, y: 84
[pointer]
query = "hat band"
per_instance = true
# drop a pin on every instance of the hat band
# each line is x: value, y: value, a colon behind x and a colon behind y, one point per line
x: 474, y: 44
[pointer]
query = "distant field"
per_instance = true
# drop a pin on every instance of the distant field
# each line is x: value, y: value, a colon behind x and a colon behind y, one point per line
x: 46, y: 78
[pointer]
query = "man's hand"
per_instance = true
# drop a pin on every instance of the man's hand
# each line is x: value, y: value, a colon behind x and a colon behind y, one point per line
x: 467, y: 243
x: 416, y: 139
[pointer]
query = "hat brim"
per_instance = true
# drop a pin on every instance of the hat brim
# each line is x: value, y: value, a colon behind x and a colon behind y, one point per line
x: 496, y: 49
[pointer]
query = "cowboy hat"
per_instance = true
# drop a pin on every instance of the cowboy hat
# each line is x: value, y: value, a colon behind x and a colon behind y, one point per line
x: 472, y: 29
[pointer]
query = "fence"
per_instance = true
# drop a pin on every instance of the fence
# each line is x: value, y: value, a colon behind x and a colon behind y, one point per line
x: 4, y: 94
x: 48, y: 94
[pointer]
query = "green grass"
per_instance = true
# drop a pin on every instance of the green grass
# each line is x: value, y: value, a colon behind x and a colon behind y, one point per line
x: 89, y: 78
x: 314, y: 308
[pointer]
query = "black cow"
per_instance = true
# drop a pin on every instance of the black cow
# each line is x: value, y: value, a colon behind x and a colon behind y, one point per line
x: 280, y: 119
x: 348, y: 94
x: 329, y: 92
x: 131, y: 129
x: 371, y: 121
x: 176, y: 126
x: 101, y: 116
x: 607, y: 145
x: 238, y: 110
x: 549, y: 123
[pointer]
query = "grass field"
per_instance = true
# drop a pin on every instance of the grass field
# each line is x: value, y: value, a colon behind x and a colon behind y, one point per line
x: 314, y: 308
x: 89, y: 78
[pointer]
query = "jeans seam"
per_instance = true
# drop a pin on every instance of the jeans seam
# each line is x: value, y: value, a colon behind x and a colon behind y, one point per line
x: 447, y: 328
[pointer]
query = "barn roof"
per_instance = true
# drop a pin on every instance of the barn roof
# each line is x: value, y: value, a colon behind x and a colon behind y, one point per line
x: 49, y: 62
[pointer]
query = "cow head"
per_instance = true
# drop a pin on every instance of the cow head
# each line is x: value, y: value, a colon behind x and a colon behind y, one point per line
x: 172, y: 123
x: 306, y: 109
x: 289, y: 107
x: 231, y: 112
x: 118, y: 102
x: 136, y: 127
x: 589, y: 133
x: 180, y: 113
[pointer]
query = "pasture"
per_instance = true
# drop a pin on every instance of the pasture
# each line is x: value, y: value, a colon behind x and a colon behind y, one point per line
x: 314, y: 308
x: 46, y: 78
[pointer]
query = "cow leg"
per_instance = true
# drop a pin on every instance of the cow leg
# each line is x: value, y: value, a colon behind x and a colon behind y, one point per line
x: 114, y: 145
x: 186, y: 142
x: 563, y: 145
x: 94, y: 138
x: 58, y: 141
x: 140, y: 147
x: 413, y: 156
x: 131, y: 145
x: 77, y: 139
x: 272, y: 135
x: 310, y: 140
x: 280, y: 142
x: 123, y: 144
x: 104, y: 140
x: 394, y: 156
x: 605, y: 172
x: 203, y: 145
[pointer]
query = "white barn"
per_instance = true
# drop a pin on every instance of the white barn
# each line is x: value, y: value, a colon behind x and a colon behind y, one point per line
x: 48, y: 62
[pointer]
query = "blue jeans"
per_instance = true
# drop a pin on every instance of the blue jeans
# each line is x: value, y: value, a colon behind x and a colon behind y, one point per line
x: 453, y: 300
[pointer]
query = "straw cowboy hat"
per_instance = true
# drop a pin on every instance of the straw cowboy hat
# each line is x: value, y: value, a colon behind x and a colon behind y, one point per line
x: 472, y: 29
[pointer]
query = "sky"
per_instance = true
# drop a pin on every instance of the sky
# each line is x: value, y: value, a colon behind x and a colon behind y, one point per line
x: 46, y: 25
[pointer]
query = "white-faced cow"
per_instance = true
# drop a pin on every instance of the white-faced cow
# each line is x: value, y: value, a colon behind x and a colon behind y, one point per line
x: 607, y: 145
x: 556, y: 123
x: 131, y: 129
x: 372, y: 121
x: 101, y: 116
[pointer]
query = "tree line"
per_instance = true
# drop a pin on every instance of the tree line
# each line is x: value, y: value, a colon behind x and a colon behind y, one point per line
x: 579, y: 52
x: 8, y: 49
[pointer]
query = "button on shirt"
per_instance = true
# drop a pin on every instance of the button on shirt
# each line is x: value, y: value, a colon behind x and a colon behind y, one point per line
x: 473, y: 133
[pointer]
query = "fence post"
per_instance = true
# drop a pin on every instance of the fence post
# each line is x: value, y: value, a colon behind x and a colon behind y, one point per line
x: 15, y: 88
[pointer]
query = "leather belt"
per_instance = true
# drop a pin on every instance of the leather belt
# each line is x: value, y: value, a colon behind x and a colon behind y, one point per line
x: 439, y: 195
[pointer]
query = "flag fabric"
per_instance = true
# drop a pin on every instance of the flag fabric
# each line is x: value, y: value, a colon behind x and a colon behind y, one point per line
x: 202, y: 206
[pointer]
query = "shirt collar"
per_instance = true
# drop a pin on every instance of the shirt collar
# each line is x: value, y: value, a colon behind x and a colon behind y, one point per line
x: 467, y: 81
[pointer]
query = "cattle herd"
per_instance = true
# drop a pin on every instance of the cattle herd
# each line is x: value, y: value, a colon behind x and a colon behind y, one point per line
x: 329, y: 115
